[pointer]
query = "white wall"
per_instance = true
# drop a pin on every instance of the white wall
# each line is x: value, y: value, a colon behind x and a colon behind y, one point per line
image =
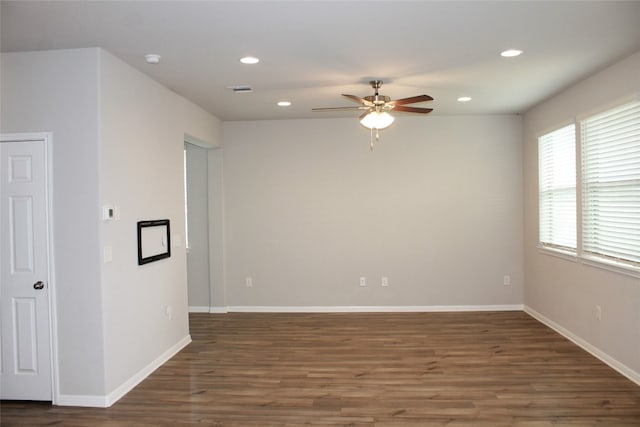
x: 57, y: 92
x: 117, y: 139
x: 566, y: 292
x: 142, y: 132
x: 203, y: 129
x: 437, y: 208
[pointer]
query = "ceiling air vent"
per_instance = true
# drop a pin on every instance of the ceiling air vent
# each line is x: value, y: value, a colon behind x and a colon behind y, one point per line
x: 241, y: 89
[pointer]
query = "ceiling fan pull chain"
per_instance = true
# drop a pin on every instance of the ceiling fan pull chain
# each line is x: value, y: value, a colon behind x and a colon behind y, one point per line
x: 371, y: 139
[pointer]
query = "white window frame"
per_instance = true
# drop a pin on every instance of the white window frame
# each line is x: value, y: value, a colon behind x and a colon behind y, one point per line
x: 560, y: 185
x: 596, y: 249
x: 580, y: 255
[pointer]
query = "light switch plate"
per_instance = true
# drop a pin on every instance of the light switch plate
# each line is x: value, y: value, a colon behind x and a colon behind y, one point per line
x: 108, y: 212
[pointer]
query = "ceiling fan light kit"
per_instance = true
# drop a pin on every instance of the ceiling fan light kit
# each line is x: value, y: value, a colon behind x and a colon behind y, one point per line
x: 376, y: 115
x: 377, y: 120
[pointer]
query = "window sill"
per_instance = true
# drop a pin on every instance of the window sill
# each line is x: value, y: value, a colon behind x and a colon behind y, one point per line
x: 564, y: 254
x: 616, y: 267
x: 592, y: 261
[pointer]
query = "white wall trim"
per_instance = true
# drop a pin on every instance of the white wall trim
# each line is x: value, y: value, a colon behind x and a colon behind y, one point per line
x: 86, y: 401
x: 594, y: 351
x: 206, y: 309
x: 370, y: 309
x: 127, y: 386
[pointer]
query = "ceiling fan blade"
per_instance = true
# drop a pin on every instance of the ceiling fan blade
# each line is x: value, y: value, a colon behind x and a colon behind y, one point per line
x: 363, y: 115
x: 412, y: 100
x: 358, y: 100
x: 412, y: 109
x: 338, y: 108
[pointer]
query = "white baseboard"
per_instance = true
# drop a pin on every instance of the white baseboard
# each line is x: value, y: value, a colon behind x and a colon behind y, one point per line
x: 127, y: 386
x: 596, y: 352
x: 207, y: 309
x: 370, y: 309
x: 87, y: 401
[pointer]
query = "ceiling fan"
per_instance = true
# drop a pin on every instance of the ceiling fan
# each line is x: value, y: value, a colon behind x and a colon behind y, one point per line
x: 376, y: 108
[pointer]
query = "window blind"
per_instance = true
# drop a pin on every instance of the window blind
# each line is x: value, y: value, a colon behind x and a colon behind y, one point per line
x: 611, y: 184
x: 557, y: 188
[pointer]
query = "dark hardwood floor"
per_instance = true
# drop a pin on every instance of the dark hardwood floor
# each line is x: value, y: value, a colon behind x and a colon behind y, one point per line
x: 400, y: 369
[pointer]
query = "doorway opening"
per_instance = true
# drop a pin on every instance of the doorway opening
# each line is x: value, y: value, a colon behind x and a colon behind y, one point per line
x: 197, y: 226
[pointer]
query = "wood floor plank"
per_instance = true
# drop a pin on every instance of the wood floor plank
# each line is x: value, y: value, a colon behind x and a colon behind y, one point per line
x: 365, y: 369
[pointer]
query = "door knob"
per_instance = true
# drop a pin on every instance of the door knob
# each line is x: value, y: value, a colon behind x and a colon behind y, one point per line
x: 38, y: 285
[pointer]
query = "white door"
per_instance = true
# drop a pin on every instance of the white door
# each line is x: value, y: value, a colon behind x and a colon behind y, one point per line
x: 25, y: 363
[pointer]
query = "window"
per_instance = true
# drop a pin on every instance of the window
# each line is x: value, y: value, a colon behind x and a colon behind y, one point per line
x: 608, y: 219
x: 557, y: 188
x: 611, y: 184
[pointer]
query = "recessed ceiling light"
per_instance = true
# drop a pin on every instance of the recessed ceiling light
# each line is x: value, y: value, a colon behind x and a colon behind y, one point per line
x: 284, y: 103
x: 249, y: 60
x: 152, y: 58
x: 464, y: 99
x: 510, y: 53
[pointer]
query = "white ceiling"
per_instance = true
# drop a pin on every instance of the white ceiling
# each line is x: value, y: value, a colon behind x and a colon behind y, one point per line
x: 312, y: 51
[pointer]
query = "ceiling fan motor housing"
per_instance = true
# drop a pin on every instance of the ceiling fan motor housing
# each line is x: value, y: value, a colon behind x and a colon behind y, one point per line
x: 378, y: 99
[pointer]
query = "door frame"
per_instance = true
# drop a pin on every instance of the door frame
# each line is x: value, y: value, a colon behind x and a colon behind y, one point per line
x: 46, y: 138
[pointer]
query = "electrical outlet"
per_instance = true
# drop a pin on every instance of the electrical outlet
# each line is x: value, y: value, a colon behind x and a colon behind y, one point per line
x: 506, y: 280
x: 363, y: 281
x: 248, y: 282
x: 385, y: 281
